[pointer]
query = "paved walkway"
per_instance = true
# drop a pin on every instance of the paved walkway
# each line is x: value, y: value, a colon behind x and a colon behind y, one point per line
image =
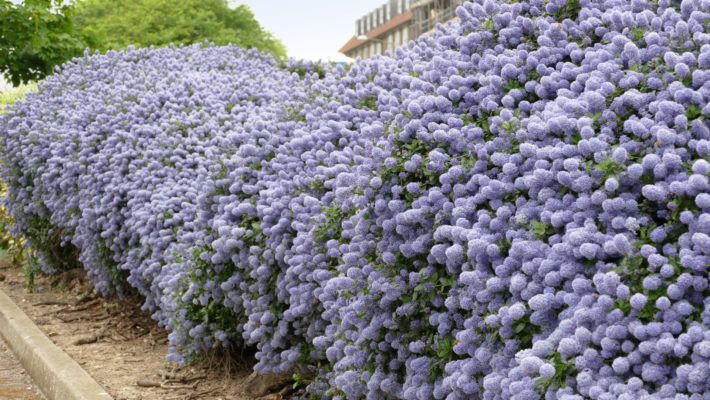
x: 14, y: 382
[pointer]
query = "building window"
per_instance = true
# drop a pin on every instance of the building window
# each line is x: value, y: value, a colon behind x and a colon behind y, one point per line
x: 405, y: 35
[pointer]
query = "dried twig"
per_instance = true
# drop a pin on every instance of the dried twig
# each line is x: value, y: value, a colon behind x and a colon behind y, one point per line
x: 95, y: 316
x: 84, y: 306
x: 118, y: 332
x: 51, y: 303
x: 68, y: 309
x: 69, y: 319
x: 53, y: 312
x: 147, y: 382
x: 178, y: 386
x: 140, y: 334
x: 192, y: 396
x: 199, y: 394
x: 102, y: 317
x: 186, y: 379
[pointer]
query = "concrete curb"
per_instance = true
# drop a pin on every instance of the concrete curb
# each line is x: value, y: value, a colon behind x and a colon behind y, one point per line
x: 52, y: 370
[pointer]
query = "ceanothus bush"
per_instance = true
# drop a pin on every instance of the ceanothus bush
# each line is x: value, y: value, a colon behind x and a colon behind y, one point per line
x: 515, y: 206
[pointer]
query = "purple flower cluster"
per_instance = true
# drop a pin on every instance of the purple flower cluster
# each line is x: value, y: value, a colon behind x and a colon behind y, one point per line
x: 516, y: 206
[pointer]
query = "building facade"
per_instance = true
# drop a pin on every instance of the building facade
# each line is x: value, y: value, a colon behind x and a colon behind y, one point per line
x: 395, y: 23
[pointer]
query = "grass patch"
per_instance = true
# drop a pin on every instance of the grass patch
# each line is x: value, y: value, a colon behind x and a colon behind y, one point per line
x: 10, y: 95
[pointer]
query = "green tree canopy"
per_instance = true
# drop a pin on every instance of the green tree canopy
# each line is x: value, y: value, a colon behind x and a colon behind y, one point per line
x: 35, y: 35
x: 115, y: 24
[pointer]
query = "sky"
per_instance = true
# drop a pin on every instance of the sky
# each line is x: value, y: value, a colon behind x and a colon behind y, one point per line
x: 311, y: 29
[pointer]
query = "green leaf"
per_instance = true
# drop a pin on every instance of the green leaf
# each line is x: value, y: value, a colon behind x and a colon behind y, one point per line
x: 36, y: 36
x: 610, y: 168
x: 693, y: 112
x: 570, y: 10
x: 115, y: 24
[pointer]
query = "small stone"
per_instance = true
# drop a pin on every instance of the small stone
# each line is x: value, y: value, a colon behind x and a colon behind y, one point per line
x: 148, y: 382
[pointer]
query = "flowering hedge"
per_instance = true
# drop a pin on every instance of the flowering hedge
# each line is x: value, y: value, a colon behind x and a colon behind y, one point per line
x: 516, y: 206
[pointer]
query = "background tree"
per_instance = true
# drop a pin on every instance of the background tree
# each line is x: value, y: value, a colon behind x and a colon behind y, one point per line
x: 35, y: 36
x: 115, y: 24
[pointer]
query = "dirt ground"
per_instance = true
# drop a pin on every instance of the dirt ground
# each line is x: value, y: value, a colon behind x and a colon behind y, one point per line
x: 117, y: 344
x: 14, y: 382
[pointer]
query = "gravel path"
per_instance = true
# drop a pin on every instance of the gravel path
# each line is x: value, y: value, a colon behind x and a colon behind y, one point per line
x: 14, y: 382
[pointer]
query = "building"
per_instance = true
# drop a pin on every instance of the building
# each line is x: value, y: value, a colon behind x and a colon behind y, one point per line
x: 383, y: 29
x: 395, y: 23
x: 428, y: 13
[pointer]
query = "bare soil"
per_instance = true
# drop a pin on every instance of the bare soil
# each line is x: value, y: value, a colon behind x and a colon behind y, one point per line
x: 15, y: 384
x: 121, y: 347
